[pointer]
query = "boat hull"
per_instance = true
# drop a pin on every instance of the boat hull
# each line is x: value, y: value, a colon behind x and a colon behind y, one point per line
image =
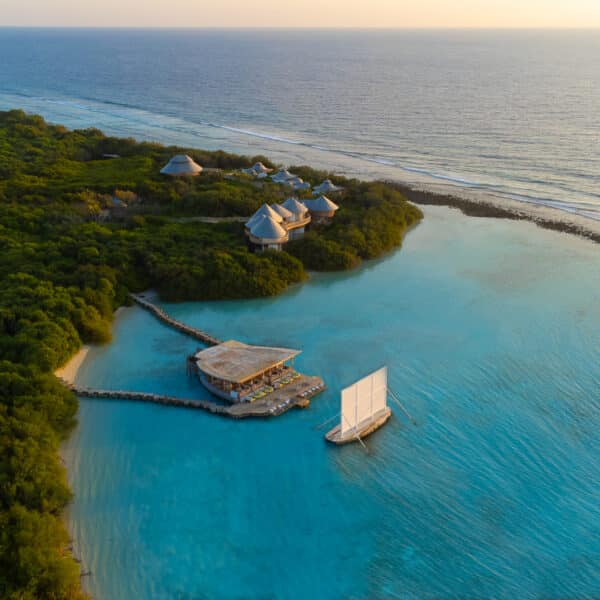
x: 363, y: 430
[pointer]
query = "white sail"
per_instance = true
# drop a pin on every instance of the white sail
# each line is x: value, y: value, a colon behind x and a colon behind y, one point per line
x: 379, y: 397
x: 363, y: 399
x: 348, y: 416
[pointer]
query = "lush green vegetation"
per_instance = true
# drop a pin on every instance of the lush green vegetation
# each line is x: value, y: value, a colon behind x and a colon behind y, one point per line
x: 373, y: 220
x: 78, y: 231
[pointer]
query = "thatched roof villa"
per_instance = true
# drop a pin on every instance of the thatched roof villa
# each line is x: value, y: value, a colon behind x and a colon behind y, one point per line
x: 299, y: 219
x: 264, y: 211
x: 297, y: 183
x: 266, y: 233
x: 257, y: 170
x: 326, y: 187
x: 321, y: 209
x: 298, y: 210
x: 283, y: 223
x: 181, y: 165
x: 282, y: 176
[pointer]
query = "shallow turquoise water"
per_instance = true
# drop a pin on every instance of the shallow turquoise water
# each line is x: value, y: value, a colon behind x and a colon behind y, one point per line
x: 491, y: 332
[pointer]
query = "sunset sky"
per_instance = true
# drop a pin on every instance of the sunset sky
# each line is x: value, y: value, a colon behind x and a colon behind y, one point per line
x: 302, y: 13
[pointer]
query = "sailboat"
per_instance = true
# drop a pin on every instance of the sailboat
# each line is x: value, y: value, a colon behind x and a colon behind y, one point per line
x: 364, y: 409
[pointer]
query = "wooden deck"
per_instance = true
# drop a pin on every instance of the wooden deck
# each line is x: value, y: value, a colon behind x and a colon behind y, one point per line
x: 289, y: 225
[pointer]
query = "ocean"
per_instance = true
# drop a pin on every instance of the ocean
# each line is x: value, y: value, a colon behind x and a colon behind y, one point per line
x: 512, y: 113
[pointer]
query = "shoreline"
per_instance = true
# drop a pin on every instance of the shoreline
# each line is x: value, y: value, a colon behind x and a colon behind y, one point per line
x: 478, y: 203
x: 68, y: 372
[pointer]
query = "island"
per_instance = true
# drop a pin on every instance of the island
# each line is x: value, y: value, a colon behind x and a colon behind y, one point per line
x: 87, y: 220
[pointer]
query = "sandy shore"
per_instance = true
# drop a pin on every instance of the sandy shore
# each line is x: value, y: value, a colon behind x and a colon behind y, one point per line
x: 478, y: 203
x: 69, y: 371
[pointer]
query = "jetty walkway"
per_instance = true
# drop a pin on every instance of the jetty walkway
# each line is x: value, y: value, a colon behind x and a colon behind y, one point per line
x: 161, y: 315
x: 270, y: 408
x: 296, y: 393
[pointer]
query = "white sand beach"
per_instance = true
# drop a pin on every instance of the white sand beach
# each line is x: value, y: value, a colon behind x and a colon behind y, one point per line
x: 546, y: 216
x: 68, y: 372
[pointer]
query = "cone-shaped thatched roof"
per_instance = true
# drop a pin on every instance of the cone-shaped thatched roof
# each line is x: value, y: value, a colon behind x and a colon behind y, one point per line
x: 282, y: 175
x: 295, y: 206
x: 267, y: 211
x: 266, y: 228
x: 321, y: 204
x: 282, y: 211
x: 327, y: 187
x: 181, y: 165
x: 297, y: 183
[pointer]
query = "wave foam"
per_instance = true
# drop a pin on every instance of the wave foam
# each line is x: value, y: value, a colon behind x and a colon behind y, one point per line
x: 140, y: 116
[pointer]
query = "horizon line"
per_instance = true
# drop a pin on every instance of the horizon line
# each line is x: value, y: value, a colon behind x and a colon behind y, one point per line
x: 312, y: 28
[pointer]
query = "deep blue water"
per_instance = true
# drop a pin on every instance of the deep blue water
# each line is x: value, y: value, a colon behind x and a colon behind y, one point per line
x: 491, y: 332
x: 514, y: 113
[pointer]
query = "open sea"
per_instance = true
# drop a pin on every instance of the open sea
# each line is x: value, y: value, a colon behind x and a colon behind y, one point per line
x: 516, y: 114
x: 490, y: 328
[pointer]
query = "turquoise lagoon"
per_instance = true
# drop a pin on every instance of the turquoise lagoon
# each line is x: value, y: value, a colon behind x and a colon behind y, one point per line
x: 491, y: 332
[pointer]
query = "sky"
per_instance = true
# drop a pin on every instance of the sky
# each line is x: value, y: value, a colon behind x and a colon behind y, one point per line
x: 302, y: 13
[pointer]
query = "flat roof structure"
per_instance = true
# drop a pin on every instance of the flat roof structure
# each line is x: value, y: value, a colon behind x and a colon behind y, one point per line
x: 237, y: 362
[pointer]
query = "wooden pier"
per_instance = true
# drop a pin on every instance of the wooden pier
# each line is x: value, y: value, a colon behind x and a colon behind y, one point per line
x: 161, y: 315
x: 271, y: 407
x: 297, y: 392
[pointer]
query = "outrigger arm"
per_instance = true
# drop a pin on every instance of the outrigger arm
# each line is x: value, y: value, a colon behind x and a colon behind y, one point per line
x: 394, y: 397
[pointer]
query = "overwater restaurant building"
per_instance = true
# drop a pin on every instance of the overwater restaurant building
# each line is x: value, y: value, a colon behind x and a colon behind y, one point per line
x: 234, y: 370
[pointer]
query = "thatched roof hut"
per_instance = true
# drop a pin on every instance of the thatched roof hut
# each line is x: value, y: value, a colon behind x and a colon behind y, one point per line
x: 181, y: 165
x: 264, y: 211
x: 322, y: 208
x: 326, y: 187
x: 268, y: 233
x: 296, y: 207
x: 257, y: 170
x: 297, y: 183
x: 282, y: 175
